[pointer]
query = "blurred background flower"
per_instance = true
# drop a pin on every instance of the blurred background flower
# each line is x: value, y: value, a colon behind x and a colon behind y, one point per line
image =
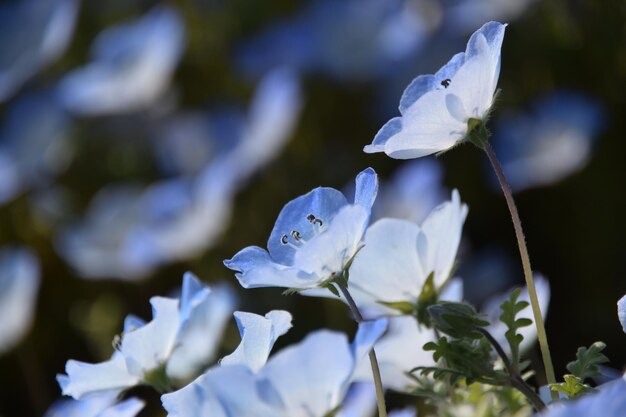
x: 141, y: 139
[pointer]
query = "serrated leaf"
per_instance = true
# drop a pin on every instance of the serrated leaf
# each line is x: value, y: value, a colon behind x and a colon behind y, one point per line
x: 587, y: 361
x: 510, y: 309
x: 458, y: 320
x: 572, y: 387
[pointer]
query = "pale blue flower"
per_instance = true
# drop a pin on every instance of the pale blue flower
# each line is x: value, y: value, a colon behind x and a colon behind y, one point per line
x: 131, y: 68
x: 19, y: 285
x: 33, y: 34
x: 414, y: 190
x: 436, y: 108
x: 313, y: 239
x: 609, y: 400
x: 310, y: 378
x: 351, y: 40
x: 550, y: 142
x: 97, y: 405
x: 399, y: 255
x: 181, y: 339
x: 492, y: 309
x: 32, y: 154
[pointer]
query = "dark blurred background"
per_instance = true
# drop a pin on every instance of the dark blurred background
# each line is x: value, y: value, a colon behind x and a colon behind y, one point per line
x: 350, y: 83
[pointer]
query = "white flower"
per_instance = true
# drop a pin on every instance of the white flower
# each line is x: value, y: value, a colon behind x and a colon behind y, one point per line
x: 399, y: 255
x: 436, y: 108
x: 303, y: 380
x: 180, y: 340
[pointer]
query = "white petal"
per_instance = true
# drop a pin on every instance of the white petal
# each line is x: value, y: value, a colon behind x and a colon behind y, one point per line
x: 149, y: 347
x: 329, y: 251
x: 442, y: 230
x: 85, y: 378
x: 258, y: 335
x: 387, y: 267
x: 201, y: 334
x: 398, y: 351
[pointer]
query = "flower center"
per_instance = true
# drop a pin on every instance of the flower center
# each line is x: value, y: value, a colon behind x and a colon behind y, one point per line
x: 296, y: 237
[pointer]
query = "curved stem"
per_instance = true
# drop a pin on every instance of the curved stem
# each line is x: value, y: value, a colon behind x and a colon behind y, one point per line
x: 358, y: 317
x: 515, y: 379
x: 528, y: 274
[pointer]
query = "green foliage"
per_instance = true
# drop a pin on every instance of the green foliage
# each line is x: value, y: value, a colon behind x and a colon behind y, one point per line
x: 585, y: 366
x: 468, y: 359
x: 572, y: 387
x: 510, y: 309
x: 458, y: 320
x: 587, y: 361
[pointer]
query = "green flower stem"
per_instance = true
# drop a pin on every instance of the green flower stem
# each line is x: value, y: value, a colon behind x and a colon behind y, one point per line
x: 380, y: 393
x: 528, y: 274
x: 515, y: 378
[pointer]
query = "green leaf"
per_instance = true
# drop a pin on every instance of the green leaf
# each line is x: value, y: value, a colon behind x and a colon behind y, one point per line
x: 467, y: 358
x: 572, y: 387
x: 587, y: 361
x: 458, y: 320
x: 510, y: 309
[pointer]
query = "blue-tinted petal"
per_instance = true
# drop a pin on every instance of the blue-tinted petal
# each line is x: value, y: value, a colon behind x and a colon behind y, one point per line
x: 201, y: 333
x: 425, y: 83
x: 86, y: 378
x: 389, y: 129
x: 193, y: 293
x: 321, y: 202
x: 366, y: 188
x: 258, y: 335
x: 324, y: 362
x: 257, y: 269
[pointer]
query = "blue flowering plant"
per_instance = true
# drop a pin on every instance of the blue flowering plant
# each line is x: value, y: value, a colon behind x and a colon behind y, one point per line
x: 394, y: 265
x: 314, y: 240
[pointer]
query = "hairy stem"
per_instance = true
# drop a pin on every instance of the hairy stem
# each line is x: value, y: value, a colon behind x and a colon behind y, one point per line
x: 515, y: 378
x: 528, y: 274
x: 358, y: 317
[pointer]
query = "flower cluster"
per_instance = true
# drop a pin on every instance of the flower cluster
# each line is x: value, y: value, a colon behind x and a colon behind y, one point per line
x: 393, y: 262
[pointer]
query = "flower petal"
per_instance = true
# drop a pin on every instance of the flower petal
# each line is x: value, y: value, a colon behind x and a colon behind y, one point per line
x: 201, y: 334
x: 366, y: 188
x: 257, y: 269
x: 329, y: 251
x: 258, y: 335
x: 86, y: 378
x: 387, y: 268
x: 442, y: 230
x: 149, y: 347
x: 323, y: 203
